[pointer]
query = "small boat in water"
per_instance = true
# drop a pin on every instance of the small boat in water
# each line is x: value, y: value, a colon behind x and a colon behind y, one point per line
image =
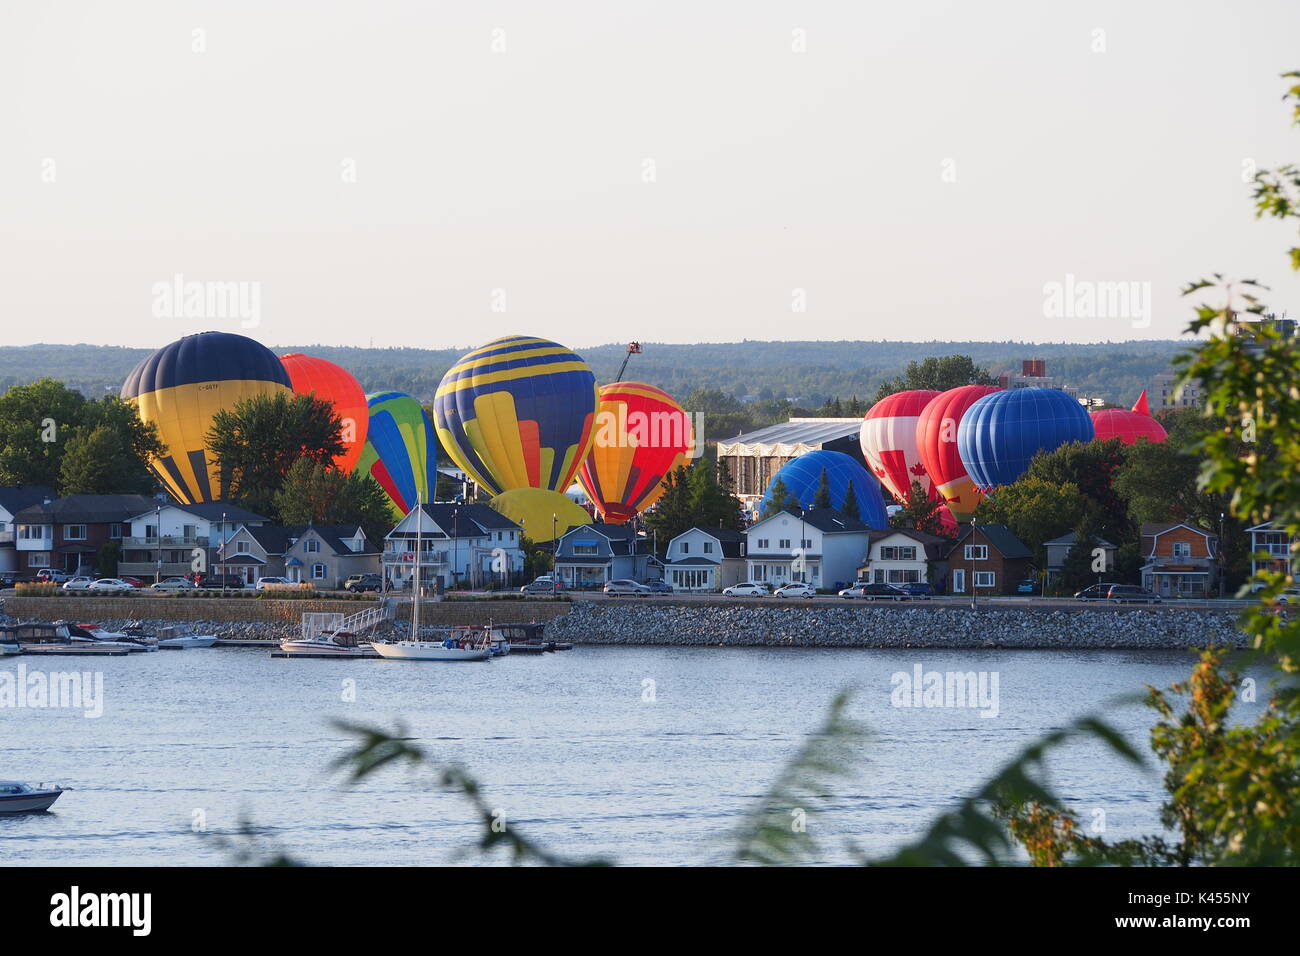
x: 179, y: 638
x: 328, y: 644
x: 18, y: 797
x: 81, y: 633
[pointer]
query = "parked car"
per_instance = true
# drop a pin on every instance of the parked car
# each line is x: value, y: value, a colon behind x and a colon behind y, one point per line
x: 747, y: 589
x: 658, y: 587
x: 1094, y: 592
x: 80, y: 583
x: 1289, y: 596
x: 543, y: 585
x: 876, y: 592
x: 173, y: 584
x: 134, y: 582
x: 111, y: 585
x: 218, y: 582
x: 266, y: 582
x: 9, y: 578
x: 1132, y: 594
x: 624, y: 586
x: 919, y: 589
x: 53, y: 577
x: 363, y: 582
x: 796, y: 590
x: 1027, y: 586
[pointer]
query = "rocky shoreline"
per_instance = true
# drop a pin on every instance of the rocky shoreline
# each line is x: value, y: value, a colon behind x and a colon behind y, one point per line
x: 916, y: 625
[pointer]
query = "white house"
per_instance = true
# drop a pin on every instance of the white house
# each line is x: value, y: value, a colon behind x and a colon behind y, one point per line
x: 459, y: 544
x: 901, y: 556
x: 1278, y: 548
x: 14, y: 499
x: 706, y: 559
x: 821, y: 547
x: 326, y: 555
x: 184, y: 538
x: 590, y: 555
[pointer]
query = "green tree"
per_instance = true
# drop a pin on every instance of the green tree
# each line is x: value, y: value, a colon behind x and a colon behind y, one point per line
x: 92, y: 463
x: 851, y: 507
x: 920, y: 512
x: 822, y: 499
x: 1036, y: 510
x: 1091, y: 468
x: 1077, y: 568
x: 779, y: 498
x: 939, y: 373
x: 671, y: 514
x: 109, y: 556
x: 709, y: 503
x: 258, y: 441
x: 316, y: 493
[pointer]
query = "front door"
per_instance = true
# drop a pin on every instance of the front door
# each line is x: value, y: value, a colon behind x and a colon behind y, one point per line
x: 959, y: 581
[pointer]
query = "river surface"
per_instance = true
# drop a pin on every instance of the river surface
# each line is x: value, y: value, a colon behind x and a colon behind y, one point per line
x: 642, y: 754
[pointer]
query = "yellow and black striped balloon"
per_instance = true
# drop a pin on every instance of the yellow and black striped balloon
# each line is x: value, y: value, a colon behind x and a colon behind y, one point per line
x: 182, y: 386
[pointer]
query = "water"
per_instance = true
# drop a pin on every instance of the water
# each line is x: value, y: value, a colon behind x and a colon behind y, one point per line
x: 563, y: 743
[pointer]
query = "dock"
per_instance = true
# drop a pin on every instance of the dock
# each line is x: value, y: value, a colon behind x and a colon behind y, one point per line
x: 61, y: 650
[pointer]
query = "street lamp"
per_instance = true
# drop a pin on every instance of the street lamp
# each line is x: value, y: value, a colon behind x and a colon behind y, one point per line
x: 555, y: 555
x: 455, y: 557
x: 157, y: 571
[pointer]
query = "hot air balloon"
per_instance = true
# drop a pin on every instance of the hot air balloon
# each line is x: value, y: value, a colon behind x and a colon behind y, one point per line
x: 936, y: 441
x: 180, y: 387
x: 400, y: 451
x: 1128, y: 426
x: 544, y: 515
x: 888, y: 439
x: 517, y: 413
x: 335, y: 384
x: 1001, y: 433
x: 641, y: 435
x: 802, y: 477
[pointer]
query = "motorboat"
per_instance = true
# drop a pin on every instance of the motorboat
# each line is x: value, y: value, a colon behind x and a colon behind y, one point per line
x: 80, y: 633
x: 10, y: 647
x: 18, y: 797
x: 328, y: 644
x: 42, y: 637
x: 179, y: 638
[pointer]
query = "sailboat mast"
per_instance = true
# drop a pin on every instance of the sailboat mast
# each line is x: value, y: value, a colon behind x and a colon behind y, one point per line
x: 415, y: 591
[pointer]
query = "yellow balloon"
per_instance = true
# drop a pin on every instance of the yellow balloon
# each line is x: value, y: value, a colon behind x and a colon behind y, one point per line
x: 544, y: 515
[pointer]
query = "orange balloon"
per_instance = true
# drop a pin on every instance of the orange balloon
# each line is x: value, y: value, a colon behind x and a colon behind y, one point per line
x: 335, y: 384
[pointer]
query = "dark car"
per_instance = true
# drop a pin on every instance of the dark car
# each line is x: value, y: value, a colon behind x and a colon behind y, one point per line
x: 1027, y: 586
x: 1094, y: 592
x: 219, y: 582
x: 920, y: 589
x: 363, y: 582
x: 658, y: 587
x: 876, y: 592
x: 1132, y: 594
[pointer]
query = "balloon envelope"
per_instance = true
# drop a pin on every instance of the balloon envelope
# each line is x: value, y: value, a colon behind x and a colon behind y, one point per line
x: 936, y: 441
x: 180, y: 387
x: 888, y: 439
x: 1128, y: 426
x: 400, y: 451
x: 333, y: 383
x: 802, y: 477
x: 1001, y: 433
x: 641, y: 435
x: 517, y: 413
x: 544, y: 515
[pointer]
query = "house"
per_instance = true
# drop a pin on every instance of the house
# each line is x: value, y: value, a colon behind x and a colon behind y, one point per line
x: 902, y: 556
x: 705, y: 559
x: 255, y: 551
x: 591, y: 554
x: 1181, y: 561
x: 14, y: 499
x: 1277, y: 548
x: 987, y: 559
x: 174, y: 540
x: 459, y: 544
x: 821, y: 547
x: 66, y: 534
x: 327, y: 555
x: 1058, y: 549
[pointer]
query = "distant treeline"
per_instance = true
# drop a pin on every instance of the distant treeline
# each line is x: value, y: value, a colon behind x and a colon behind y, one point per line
x: 807, y: 374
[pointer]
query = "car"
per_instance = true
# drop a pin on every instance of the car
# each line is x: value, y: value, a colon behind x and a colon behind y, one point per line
x: 111, y: 585
x: 878, y: 591
x: 173, y: 584
x: 80, y: 583
x: 134, y: 582
x: 218, y: 582
x: 1094, y: 592
x: 542, y: 585
x: 1289, y: 596
x: 658, y: 587
x: 796, y: 589
x: 747, y: 589
x: 1027, y: 586
x: 363, y: 582
x: 266, y: 582
x: 919, y: 589
x: 624, y: 586
x: 1132, y: 594
x: 50, y: 576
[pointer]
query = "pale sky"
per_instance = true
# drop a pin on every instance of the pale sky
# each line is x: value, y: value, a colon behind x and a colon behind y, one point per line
x: 381, y: 169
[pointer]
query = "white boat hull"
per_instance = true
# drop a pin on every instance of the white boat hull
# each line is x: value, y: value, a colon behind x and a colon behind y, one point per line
x: 323, y: 648
x: 192, y: 640
x: 33, y: 801
x: 430, y: 651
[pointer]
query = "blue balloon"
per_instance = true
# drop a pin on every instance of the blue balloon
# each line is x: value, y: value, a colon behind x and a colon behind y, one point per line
x: 1001, y: 433
x: 802, y: 477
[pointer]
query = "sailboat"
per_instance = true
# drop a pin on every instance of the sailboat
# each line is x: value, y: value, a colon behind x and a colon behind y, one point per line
x: 454, y: 647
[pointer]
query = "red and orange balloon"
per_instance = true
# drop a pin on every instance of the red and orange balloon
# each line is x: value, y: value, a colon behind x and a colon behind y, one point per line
x: 1128, y: 425
x: 334, y: 384
x: 936, y: 442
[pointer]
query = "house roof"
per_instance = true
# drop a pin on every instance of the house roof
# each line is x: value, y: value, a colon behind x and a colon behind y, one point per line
x: 693, y: 561
x: 1071, y: 538
x: 274, y: 538
x: 729, y: 538
x: 1153, y: 529
x: 826, y: 520
x: 481, y: 519
x: 86, y: 509
x: 15, y: 498
x: 999, y: 536
x: 334, y: 535
x: 934, y: 545
x: 208, y: 511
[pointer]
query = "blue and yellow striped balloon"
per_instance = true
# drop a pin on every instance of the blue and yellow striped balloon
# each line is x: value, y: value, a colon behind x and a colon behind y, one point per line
x: 400, y: 451
x: 180, y: 387
x: 517, y: 413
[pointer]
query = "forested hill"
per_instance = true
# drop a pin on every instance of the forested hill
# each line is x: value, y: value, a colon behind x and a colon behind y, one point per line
x: 808, y: 373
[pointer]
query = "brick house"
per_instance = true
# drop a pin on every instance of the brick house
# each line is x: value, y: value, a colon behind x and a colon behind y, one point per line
x: 987, y: 559
x: 66, y: 534
x: 1181, y: 561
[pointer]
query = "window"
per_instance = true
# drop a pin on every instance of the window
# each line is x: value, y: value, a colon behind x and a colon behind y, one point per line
x: 241, y: 547
x: 74, y: 532
x: 686, y: 547
x: 985, y: 579
x: 318, y: 571
x: 762, y: 544
x: 977, y: 552
x: 311, y: 546
x: 38, y: 559
x: 1182, y: 549
x: 959, y: 580
x: 190, y: 532
x: 708, y: 547
x: 585, y: 549
x: 34, y: 532
x: 805, y: 543
x: 115, y: 531
x: 784, y: 544
x: 899, y: 553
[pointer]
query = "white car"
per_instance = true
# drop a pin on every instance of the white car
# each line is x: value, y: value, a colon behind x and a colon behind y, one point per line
x: 79, y: 583
x: 747, y: 589
x: 625, y: 586
x: 110, y: 584
x: 264, y: 583
x: 173, y: 584
x: 796, y: 590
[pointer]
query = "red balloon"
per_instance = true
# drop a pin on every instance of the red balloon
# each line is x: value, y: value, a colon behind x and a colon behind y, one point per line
x: 333, y: 383
x: 1128, y: 426
x: 936, y: 441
